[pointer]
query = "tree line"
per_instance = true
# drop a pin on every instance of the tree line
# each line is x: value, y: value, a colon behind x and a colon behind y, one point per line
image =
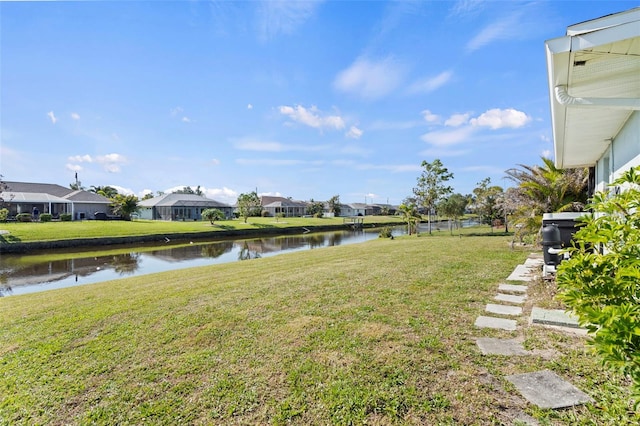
x: 537, y: 189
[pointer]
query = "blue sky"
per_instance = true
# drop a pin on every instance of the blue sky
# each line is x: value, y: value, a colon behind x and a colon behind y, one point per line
x: 300, y: 99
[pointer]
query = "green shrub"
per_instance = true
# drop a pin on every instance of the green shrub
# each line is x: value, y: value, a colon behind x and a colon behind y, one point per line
x: 600, y: 281
x: 65, y: 217
x: 45, y: 217
x: 4, y: 214
x: 24, y: 217
x: 385, y: 232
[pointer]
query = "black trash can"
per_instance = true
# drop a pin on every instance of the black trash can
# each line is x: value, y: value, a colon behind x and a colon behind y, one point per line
x: 567, y: 223
x: 551, y: 239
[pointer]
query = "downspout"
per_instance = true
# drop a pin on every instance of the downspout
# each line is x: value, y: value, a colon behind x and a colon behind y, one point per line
x: 564, y: 98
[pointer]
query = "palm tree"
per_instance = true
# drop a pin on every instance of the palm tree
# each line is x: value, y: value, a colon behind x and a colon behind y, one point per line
x: 549, y: 189
x: 125, y: 205
x: 105, y: 191
x: 546, y: 189
x: 410, y: 215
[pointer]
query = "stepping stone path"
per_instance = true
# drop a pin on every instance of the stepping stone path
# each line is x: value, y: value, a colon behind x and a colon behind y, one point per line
x: 503, y: 309
x: 499, y: 323
x: 510, y: 298
x: 542, y: 388
x: 547, y: 390
x: 490, y: 346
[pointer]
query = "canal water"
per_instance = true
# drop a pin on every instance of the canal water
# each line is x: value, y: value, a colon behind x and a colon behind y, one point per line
x: 22, y: 274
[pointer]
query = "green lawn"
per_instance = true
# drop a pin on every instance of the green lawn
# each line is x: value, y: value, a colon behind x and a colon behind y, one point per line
x: 50, y: 231
x: 378, y: 333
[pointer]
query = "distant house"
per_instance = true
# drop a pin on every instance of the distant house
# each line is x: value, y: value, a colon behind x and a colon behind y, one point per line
x: 594, y: 88
x: 179, y: 207
x: 284, y: 206
x: 345, y: 211
x: 24, y: 197
x: 387, y: 209
x: 358, y: 209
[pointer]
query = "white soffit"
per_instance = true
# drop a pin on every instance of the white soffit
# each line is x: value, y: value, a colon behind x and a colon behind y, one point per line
x: 594, y: 85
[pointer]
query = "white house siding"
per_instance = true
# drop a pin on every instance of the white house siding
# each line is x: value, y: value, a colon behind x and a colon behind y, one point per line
x: 622, y: 154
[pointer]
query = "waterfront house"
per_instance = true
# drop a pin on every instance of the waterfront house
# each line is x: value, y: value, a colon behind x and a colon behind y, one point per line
x: 285, y: 206
x: 180, y: 207
x: 24, y: 197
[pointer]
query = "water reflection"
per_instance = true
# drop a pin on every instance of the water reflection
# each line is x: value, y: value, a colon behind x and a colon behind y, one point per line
x: 25, y: 274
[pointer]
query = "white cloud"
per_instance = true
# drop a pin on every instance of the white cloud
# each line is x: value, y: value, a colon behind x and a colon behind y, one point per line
x: 186, y: 120
x: 73, y: 167
x: 456, y: 120
x: 370, y: 79
x: 430, y: 84
x: 81, y: 159
x: 505, y: 28
x: 52, y: 117
x: 175, y: 111
x: 430, y: 117
x: 110, y: 162
x: 312, y: 117
x: 546, y: 153
x: 144, y: 192
x: 499, y: 118
x: 215, y: 162
x: 75, y: 116
x: 110, y: 158
x: 270, y: 194
x: 354, y: 133
x: 122, y: 190
x: 277, y: 17
x: 448, y: 137
x: 249, y: 106
x: 223, y: 194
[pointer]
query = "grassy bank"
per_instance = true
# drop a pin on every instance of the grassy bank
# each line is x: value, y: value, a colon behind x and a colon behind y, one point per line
x: 380, y: 332
x: 53, y: 231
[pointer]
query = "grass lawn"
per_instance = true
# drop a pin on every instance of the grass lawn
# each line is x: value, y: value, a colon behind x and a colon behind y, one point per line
x: 379, y: 333
x: 50, y: 231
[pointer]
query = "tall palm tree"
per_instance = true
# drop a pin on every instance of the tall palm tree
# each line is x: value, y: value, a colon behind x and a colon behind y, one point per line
x: 106, y: 191
x: 546, y: 189
x: 410, y: 215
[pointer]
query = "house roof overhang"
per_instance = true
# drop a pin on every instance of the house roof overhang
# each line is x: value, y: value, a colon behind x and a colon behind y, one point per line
x: 31, y: 197
x: 594, y: 85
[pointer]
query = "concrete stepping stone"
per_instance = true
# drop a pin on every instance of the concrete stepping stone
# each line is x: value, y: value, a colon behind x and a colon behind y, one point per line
x: 556, y: 317
x: 497, y: 323
x: 513, y: 288
x: 547, y: 390
x: 503, y: 309
x: 490, y: 346
x: 533, y: 263
x: 521, y: 273
x: 510, y: 298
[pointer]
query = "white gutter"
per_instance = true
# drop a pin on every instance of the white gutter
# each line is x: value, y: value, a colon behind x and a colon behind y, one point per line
x: 566, y: 99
